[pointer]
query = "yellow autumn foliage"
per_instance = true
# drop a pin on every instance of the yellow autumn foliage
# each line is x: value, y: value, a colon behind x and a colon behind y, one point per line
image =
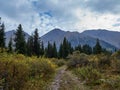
x: 17, y: 70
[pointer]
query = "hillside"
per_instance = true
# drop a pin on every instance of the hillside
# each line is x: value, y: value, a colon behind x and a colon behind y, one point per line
x: 76, y: 38
x: 57, y: 35
x: 111, y: 37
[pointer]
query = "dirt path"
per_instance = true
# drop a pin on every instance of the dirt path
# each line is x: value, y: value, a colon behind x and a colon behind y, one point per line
x: 56, y: 83
x: 65, y: 80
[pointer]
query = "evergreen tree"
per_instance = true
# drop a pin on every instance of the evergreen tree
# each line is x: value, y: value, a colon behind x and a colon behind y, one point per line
x: 20, y: 43
x: 65, y: 49
x: 78, y: 48
x: 30, y: 46
x: 54, y: 50
x: 49, y: 50
x: 42, y: 49
x: 61, y: 51
x: 10, y: 46
x: 97, y: 49
x: 2, y: 35
x: 70, y: 48
x: 36, y: 43
x: 87, y: 49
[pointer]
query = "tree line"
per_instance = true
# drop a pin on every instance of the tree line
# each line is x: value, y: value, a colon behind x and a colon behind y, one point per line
x: 33, y: 46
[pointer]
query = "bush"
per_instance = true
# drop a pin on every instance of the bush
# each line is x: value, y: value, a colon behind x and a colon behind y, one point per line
x: 116, y: 66
x: 111, y: 83
x: 13, y: 72
x: 18, y: 71
x: 58, y: 62
x: 116, y: 55
x: 89, y: 75
x: 100, y: 61
x: 42, y: 68
x: 77, y: 60
x: 104, y: 62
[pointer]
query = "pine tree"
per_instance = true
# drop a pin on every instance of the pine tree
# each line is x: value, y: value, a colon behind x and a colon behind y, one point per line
x: 30, y: 46
x: 65, y: 49
x: 61, y: 51
x: 2, y: 35
x: 87, y: 49
x: 78, y: 48
x: 20, y: 43
x: 49, y: 50
x: 70, y: 48
x: 42, y: 51
x: 10, y: 46
x: 36, y: 43
x: 97, y: 49
x: 54, y: 50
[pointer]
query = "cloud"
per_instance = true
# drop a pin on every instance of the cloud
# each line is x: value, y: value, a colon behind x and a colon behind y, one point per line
x: 65, y: 14
x: 116, y: 25
x: 118, y: 20
x: 104, y: 6
x: 81, y: 14
x: 15, y: 12
x: 15, y: 9
x: 59, y: 9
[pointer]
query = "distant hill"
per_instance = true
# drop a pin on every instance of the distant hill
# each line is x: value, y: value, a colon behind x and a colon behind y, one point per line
x: 11, y: 33
x: 108, y: 39
x: 112, y: 37
x: 57, y: 35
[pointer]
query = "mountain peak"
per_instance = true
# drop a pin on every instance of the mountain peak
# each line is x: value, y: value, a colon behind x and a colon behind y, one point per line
x: 75, y: 38
x: 100, y: 30
x: 57, y: 30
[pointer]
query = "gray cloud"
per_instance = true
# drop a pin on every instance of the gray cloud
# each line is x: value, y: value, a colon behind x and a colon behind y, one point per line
x: 15, y: 8
x: 118, y: 20
x: 104, y: 6
x: 65, y: 14
x: 60, y: 9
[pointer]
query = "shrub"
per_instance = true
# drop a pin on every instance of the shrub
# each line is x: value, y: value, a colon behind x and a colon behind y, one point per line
x: 42, y: 67
x: 104, y: 61
x: 18, y: 71
x: 58, y: 62
x: 77, y: 60
x: 35, y: 84
x: 112, y: 83
x: 89, y: 75
x: 100, y: 61
x: 13, y: 72
x: 116, y: 66
x: 116, y: 55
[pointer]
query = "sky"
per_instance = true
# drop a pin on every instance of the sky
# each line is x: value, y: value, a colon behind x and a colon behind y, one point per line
x: 68, y: 15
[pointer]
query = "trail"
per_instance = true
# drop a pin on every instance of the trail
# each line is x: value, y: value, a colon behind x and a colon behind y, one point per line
x: 56, y: 83
x: 65, y: 80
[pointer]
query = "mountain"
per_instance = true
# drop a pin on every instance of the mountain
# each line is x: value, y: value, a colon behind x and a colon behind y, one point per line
x: 54, y: 35
x: 112, y: 37
x: 57, y: 35
x: 10, y: 34
x: 108, y: 39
